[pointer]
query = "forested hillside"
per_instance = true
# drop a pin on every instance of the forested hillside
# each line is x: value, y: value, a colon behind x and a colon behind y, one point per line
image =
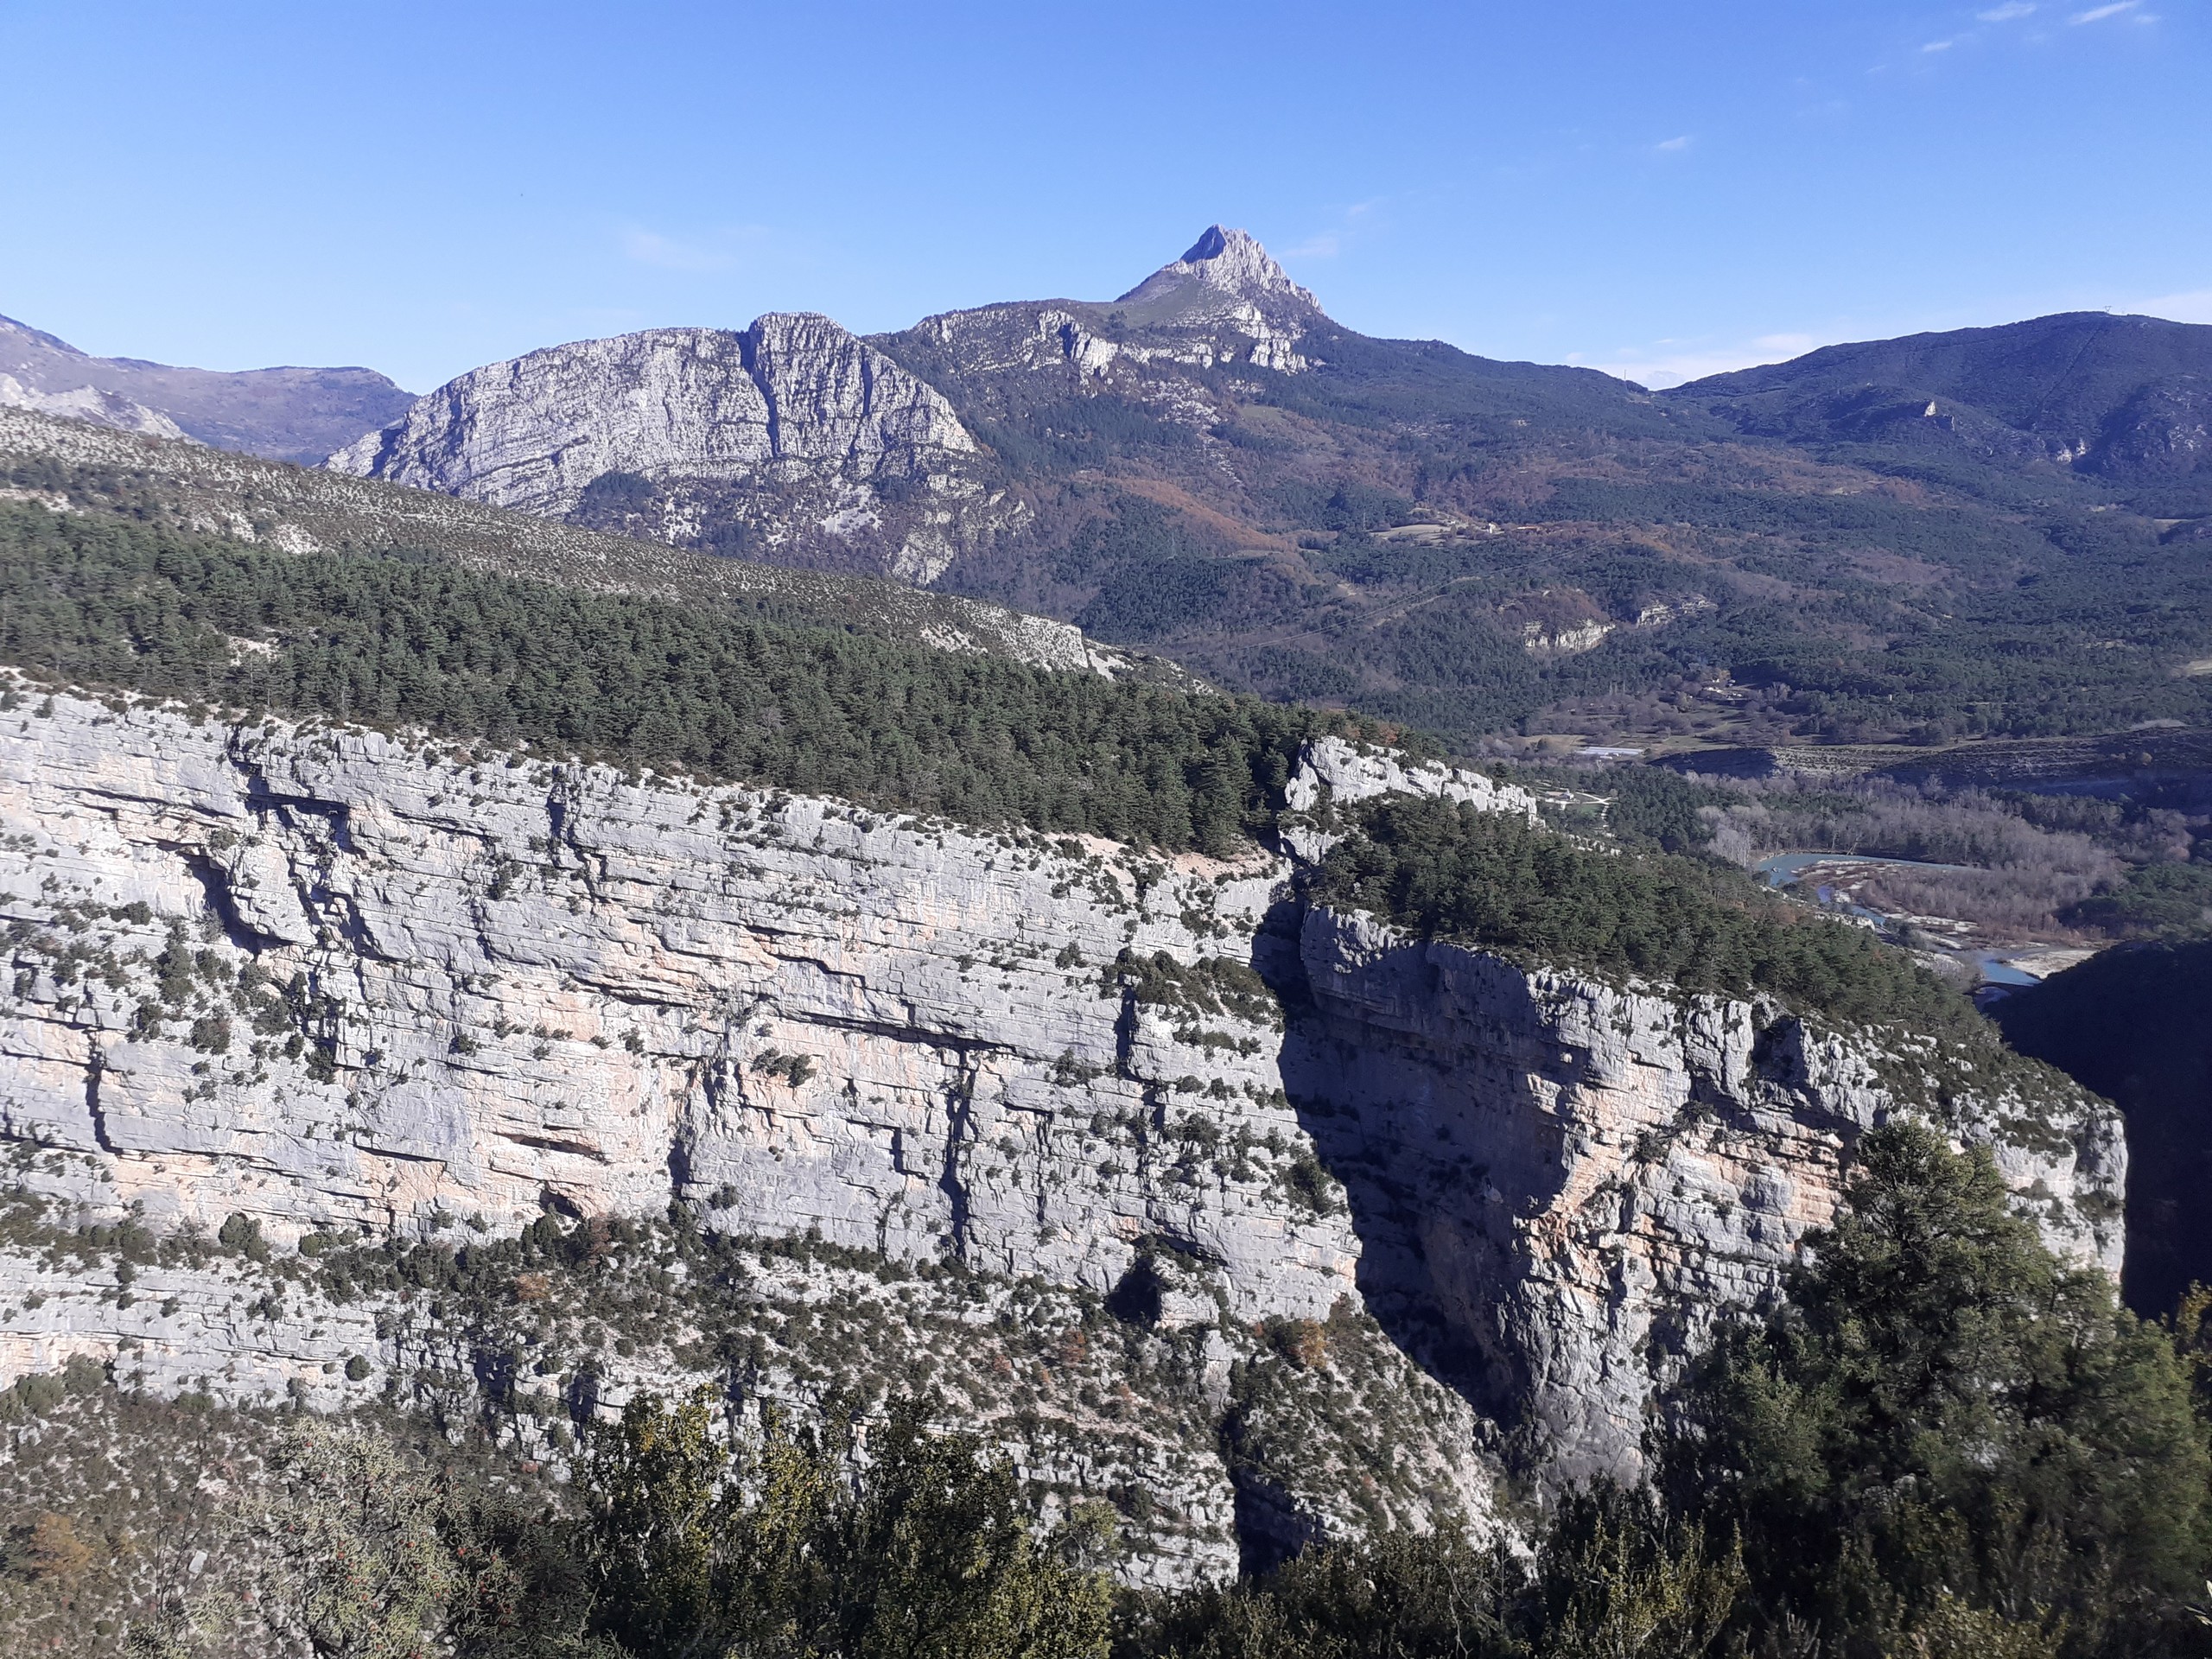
x: 2125, y: 399
x: 1482, y: 547
x: 400, y: 640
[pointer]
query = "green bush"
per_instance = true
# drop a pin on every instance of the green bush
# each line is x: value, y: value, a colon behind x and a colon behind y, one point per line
x: 240, y: 1235
x: 928, y: 1553
x: 1942, y: 1416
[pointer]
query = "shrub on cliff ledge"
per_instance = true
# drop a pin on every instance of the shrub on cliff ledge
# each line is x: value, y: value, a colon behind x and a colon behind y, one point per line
x: 929, y: 1553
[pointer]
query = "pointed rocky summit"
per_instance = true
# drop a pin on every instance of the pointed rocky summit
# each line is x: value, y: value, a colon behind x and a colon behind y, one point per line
x: 1222, y: 263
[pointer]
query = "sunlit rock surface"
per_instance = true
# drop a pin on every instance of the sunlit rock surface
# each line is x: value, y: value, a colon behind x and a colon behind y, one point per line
x: 1294, y: 1223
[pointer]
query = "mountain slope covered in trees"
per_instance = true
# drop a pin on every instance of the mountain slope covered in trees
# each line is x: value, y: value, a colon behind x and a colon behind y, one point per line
x: 1987, y: 532
x: 1478, y: 546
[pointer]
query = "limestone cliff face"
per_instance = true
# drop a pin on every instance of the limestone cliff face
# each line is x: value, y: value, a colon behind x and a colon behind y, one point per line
x: 1558, y: 1183
x: 1227, y: 279
x: 792, y: 440
x: 533, y: 980
x: 347, y: 984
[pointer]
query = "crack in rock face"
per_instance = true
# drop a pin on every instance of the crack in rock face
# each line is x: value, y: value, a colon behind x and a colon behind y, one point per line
x: 339, y: 984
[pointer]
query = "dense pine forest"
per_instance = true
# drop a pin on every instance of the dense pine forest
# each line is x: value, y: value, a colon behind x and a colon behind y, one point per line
x: 1450, y: 871
x: 638, y: 682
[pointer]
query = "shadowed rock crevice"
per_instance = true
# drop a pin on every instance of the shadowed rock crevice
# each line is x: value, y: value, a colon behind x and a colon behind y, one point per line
x: 1556, y: 1184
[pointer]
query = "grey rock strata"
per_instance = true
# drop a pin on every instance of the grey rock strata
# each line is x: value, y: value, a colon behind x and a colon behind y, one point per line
x: 791, y: 439
x: 1192, y: 1188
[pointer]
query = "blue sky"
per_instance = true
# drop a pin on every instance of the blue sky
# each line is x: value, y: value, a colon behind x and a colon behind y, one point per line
x: 1657, y: 188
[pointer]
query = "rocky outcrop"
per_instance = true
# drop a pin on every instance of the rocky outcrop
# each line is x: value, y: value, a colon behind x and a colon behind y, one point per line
x: 1225, y: 303
x: 2163, y: 431
x: 526, y: 981
x: 1558, y: 1183
x: 792, y: 440
x: 1240, y: 1163
x: 89, y: 403
x: 287, y: 414
x: 1227, y: 280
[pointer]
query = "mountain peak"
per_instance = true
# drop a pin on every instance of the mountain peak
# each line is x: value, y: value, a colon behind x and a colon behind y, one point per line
x: 1228, y: 261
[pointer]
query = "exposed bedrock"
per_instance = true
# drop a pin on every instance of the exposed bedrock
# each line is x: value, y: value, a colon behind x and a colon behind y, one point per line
x: 792, y: 440
x: 337, y: 979
x: 1558, y: 1183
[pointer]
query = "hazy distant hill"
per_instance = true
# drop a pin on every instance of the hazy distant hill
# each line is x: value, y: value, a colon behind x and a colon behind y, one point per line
x: 2126, y: 399
x: 286, y: 414
x: 1221, y: 470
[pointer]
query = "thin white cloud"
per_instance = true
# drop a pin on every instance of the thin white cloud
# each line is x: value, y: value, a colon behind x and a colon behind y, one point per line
x: 1327, y: 244
x: 1671, y: 362
x: 2194, y: 306
x: 1681, y: 142
x: 1939, y: 46
x: 718, y: 251
x: 2098, y: 13
x: 2005, y: 13
x: 652, y: 248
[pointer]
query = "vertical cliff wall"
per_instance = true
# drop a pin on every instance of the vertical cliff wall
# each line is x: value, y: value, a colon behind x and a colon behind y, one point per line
x: 792, y: 440
x: 1558, y: 1183
x: 1186, y: 1188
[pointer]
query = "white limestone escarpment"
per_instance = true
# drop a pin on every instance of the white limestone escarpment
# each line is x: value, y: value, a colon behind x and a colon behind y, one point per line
x: 347, y: 984
x: 812, y: 446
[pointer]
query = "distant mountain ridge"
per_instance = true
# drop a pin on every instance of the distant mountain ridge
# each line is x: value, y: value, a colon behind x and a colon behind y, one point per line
x: 2126, y: 398
x: 793, y: 439
x: 284, y: 413
x: 1850, y: 544
x: 1990, y: 532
